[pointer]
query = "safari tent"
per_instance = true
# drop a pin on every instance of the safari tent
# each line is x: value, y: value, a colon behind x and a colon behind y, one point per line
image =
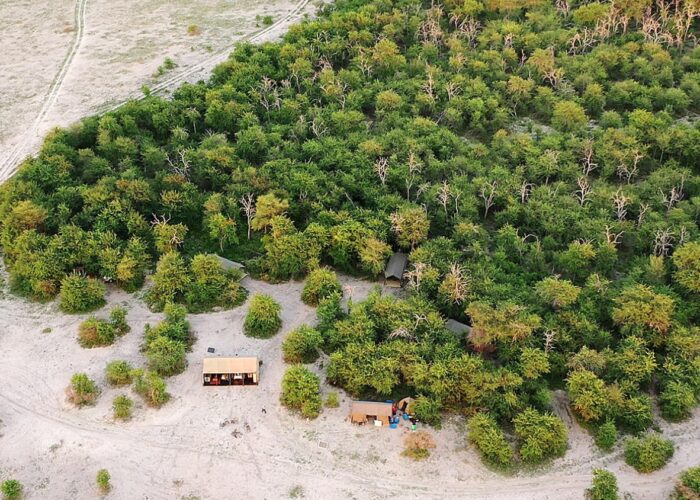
x: 230, y: 371
x: 395, y: 268
x: 370, y: 411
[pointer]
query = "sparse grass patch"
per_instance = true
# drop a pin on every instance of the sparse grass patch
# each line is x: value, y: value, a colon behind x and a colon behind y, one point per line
x: 193, y: 30
x: 332, y: 400
x: 122, y: 407
x: 297, y: 492
x: 417, y: 445
x: 103, y: 479
x: 11, y: 489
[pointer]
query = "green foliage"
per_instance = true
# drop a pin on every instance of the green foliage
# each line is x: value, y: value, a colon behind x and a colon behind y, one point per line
x: 263, y: 318
x: 557, y: 293
x: 606, y: 435
x: 648, y: 453
x: 688, y: 488
x: 121, y: 407
x: 119, y: 373
x: 11, y: 489
x: 677, y: 400
x: 83, y: 391
x: 301, y: 345
x: 81, y: 294
x: 211, y: 286
x: 301, y: 391
x: 332, y: 400
x: 320, y: 284
x: 428, y: 410
x: 604, y: 486
x: 169, y: 281
x: 95, y: 332
x: 103, y: 479
x: 541, y: 436
x: 151, y: 387
x: 166, y: 356
x: 489, y: 439
x: 687, y: 261
x: 640, y: 310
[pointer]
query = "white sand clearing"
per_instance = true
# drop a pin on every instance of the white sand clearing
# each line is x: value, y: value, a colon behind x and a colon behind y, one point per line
x: 217, y: 443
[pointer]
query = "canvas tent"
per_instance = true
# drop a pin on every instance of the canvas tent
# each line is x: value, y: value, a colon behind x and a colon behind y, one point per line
x: 229, y: 264
x: 230, y: 371
x: 393, y: 274
x: 370, y: 411
x: 459, y: 329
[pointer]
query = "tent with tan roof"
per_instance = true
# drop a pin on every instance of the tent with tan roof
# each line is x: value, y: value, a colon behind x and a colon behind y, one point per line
x: 230, y: 371
x: 370, y: 411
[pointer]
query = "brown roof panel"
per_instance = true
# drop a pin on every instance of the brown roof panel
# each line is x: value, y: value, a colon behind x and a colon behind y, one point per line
x: 230, y: 365
x: 371, y: 408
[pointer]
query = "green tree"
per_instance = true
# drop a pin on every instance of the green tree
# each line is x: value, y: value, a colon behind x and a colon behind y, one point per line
x: 648, y: 453
x: 267, y: 207
x: 83, y: 390
x: 263, y: 318
x: 81, y: 294
x: 639, y: 310
x: 373, y: 254
x: 677, y: 400
x: 604, y: 486
x: 568, y: 116
x: 588, y: 394
x: 301, y: 391
x: 489, y: 439
x: 222, y: 229
x: 540, y: 436
x: 557, y: 293
x: 688, y: 488
x: 533, y: 363
x: 687, y: 261
x: 504, y: 321
x: 411, y: 226
x: 301, y: 345
x: 320, y: 284
x: 169, y: 281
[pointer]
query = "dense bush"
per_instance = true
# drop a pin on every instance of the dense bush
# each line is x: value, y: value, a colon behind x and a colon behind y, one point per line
x: 102, y: 480
x: 119, y: 373
x: 604, y: 486
x: 166, y: 356
x: 121, y: 407
x: 688, y: 486
x: 320, y: 284
x: 489, y: 439
x: 263, y: 318
x: 95, y: 332
x: 540, y: 436
x: 648, y: 453
x: 151, y: 387
x: 606, y: 435
x: 174, y: 326
x: 11, y: 489
x: 301, y: 391
x: 428, y: 410
x: 83, y: 390
x: 81, y: 294
x: 301, y: 345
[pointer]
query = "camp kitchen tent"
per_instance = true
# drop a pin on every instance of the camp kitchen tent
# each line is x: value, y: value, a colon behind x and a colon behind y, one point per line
x: 370, y: 411
x: 393, y: 274
x: 230, y: 371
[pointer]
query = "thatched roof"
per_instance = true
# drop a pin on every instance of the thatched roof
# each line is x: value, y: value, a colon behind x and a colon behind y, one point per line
x: 230, y: 365
x: 370, y: 408
x: 396, y: 266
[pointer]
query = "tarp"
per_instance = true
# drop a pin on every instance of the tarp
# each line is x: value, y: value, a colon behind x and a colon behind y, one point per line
x: 396, y: 266
x: 230, y: 365
x: 228, y: 264
x: 457, y: 327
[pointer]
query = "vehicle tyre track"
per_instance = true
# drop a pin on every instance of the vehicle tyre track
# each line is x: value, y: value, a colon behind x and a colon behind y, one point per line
x: 8, y: 165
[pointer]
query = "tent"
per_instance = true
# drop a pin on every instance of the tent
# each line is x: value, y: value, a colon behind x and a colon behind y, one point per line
x: 229, y: 264
x: 230, y: 371
x: 459, y: 329
x: 370, y: 411
x: 395, y: 268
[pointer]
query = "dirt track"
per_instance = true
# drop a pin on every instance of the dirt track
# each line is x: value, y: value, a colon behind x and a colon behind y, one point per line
x: 183, y: 450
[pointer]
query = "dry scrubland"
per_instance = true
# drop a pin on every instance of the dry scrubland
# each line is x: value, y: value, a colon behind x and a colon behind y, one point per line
x: 119, y: 49
x: 186, y: 449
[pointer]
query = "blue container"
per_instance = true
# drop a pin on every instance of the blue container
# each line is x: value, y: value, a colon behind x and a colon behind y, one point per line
x: 406, y: 416
x: 393, y: 425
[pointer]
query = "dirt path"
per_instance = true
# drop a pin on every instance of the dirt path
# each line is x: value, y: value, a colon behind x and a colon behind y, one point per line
x: 15, y: 156
x: 207, y: 443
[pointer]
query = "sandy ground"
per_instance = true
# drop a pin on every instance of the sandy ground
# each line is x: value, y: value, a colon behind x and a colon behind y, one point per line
x: 183, y: 451
x: 62, y: 60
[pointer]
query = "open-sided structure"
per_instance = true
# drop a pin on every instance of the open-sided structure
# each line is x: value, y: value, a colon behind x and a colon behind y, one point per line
x: 395, y: 268
x: 230, y: 371
x: 369, y: 412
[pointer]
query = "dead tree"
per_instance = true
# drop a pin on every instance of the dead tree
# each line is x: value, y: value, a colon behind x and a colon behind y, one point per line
x: 248, y: 207
x: 674, y: 196
x: 611, y: 237
x: 381, y: 167
x: 620, y: 201
x: 181, y: 167
x: 588, y: 164
x: 549, y: 338
x: 525, y: 191
x: 663, y: 242
x: 584, y: 190
x: 414, y: 168
x: 488, y: 193
x: 444, y: 195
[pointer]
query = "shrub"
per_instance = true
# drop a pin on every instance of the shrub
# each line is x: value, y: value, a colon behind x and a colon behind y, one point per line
x: 648, y: 453
x: 117, y: 318
x: 166, y: 356
x: 417, y: 445
x: 103, y: 478
x: 332, y: 400
x: 540, y: 436
x: 82, y: 390
x: 263, y: 319
x: 212, y: 285
x: 151, y: 387
x: 119, y: 373
x: 121, y: 407
x: 174, y: 326
x: 677, y: 400
x: 193, y: 30
x: 606, y: 436
x: 301, y: 345
x: 320, y: 284
x: 688, y: 487
x: 81, y: 294
x: 301, y: 391
x: 267, y: 20
x: 428, y: 410
x: 11, y: 489
x: 95, y: 332
x: 488, y: 437
x: 604, y: 486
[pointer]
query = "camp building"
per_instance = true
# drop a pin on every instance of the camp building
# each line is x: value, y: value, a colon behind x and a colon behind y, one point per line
x: 230, y: 371
x: 370, y: 412
x: 395, y: 268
